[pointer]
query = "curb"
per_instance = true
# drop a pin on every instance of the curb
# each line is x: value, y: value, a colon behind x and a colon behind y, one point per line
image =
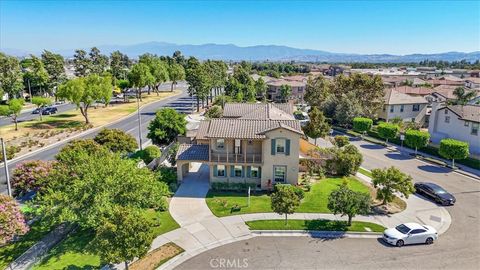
x: 84, y: 133
x: 318, y: 234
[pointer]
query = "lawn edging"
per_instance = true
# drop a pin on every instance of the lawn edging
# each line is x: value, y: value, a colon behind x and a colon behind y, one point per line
x: 318, y: 234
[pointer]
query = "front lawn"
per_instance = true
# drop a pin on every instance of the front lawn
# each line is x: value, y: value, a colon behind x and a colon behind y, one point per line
x: 72, y: 253
x: 314, y: 225
x: 315, y: 201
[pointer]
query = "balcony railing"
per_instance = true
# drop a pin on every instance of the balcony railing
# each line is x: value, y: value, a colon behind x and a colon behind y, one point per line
x: 235, y: 158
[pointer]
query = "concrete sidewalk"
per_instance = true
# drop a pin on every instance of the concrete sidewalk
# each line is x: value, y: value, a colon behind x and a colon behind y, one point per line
x: 201, y: 230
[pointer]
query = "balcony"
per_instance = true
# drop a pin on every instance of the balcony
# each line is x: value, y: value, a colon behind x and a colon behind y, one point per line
x: 235, y: 158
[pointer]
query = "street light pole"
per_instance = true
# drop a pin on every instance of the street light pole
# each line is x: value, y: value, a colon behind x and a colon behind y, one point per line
x: 5, y: 165
x: 139, y: 119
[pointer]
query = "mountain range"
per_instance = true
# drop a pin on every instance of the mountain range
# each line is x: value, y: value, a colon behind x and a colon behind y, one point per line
x: 263, y: 53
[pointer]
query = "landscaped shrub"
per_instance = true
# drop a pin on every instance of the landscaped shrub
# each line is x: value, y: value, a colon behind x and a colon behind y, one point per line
x: 361, y: 124
x: 387, y: 131
x: 11, y: 151
x: 300, y: 193
x: 453, y: 149
x: 30, y: 176
x: 167, y: 174
x: 148, y: 154
x: 224, y: 186
x: 416, y: 139
x: 116, y: 140
x: 214, y: 112
x: 341, y: 141
x: 344, y: 161
x: 11, y: 219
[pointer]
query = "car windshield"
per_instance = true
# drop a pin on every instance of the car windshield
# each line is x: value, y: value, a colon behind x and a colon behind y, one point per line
x: 402, y: 228
x: 438, y: 190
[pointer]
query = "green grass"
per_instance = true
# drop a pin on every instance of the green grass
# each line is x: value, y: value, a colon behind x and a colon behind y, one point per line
x: 12, y: 251
x: 314, y: 225
x: 72, y: 253
x: 223, y: 203
x: 365, y: 172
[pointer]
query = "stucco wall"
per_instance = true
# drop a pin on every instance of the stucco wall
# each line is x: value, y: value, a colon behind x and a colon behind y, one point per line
x: 406, y: 115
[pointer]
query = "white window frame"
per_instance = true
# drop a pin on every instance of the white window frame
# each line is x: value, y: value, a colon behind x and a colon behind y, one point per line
x: 224, y: 170
x: 255, y: 169
x: 416, y: 107
x: 466, y: 123
x: 447, y: 119
x: 277, y: 144
x: 284, y: 174
x: 237, y: 168
x: 220, y: 143
x: 475, y: 127
x: 402, y: 107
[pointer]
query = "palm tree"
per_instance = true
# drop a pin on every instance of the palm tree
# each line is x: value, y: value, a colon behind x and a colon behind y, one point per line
x: 463, y: 97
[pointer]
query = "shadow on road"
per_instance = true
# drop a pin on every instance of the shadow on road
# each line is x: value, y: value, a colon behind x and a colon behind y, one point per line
x: 372, y: 146
x: 398, y: 156
x: 433, y: 169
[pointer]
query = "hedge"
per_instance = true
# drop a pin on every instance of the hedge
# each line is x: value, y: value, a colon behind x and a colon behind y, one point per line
x: 361, y: 124
x: 224, y: 186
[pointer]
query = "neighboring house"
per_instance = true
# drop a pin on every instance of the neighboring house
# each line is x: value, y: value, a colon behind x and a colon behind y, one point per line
x: 445, y: 81
x: 252, y: 143
x: 410, y: 108
x: 457, y: 122
x: 414, y: 91
x: 298, y: 90
x: 472, y: 83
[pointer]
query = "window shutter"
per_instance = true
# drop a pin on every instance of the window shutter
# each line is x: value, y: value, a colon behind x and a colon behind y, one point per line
x: 287, y: 147
x: 259, y: 172
x: 232, y: 170
x: 215, y: 170
x: 249, y: 171
x: 273, y: 146
x: 243, y: 171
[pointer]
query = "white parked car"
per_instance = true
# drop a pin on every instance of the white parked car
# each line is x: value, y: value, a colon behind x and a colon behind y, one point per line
x: 410, y: 233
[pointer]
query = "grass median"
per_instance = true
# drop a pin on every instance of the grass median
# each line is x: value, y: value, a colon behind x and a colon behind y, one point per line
x: 315, y: 225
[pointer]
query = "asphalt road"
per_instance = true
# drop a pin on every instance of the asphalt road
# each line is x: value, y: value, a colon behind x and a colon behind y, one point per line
x: 458, y: 248
x: 182, y: 103
x: 28, y: 116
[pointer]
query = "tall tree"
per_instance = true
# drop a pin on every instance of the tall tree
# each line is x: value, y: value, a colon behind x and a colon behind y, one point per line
x: 85, y: 91
x: 317, y: 127
x: 158, y: 69
x: 348, y: 203
x: 346, y: 109
x: 10, y: 76
x: 284, y: 200
x: 317, y: 90
x: 55, y: 66
x: 98, y: 61
x: 261, y: 89
x: 139, y: 77
x: 166, y: 126
x: 285, y: 92
x: 36, y: 76
x: 463, y: 96
x: 390, y: 181
x: 81, y: 63
x: 12, y: 110
x: 179, y: 58
x: 198, y: 81
x: 176, y: 72
x: 118, y: 66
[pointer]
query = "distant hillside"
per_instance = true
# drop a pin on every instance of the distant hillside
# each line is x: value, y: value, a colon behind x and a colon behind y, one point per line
x: 265, y: 52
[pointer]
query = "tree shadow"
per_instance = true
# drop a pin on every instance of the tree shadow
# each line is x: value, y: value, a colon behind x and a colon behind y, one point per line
x: 433, y: 169
x: 398, y: 156
x: 372, y: 146
x: 56, y: 123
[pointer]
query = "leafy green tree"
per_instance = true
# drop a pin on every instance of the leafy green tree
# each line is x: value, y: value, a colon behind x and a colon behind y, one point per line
x: 390, y: 181
x: 416, y: 139
x: 284, y: 200
x: 158, y: 69
x: 172, y: 154
x: 140, y: 77
x: 55, y: 66
x: 85, y: 91
x: 317, y: 90
x: 285, y: 92
x: 87, y: 190
x: 11, y: 218
x: 98, y: 61
x: 148, y: 154
x: 261, y: 89
x: 214, y: 112
x: 176, y: 72
x: 198, y: 80
x: 387, y: 131
x: 221, y: 100
x: 453, y: 149
x: 74, y: 150
x: 166, y: 126
x: 10, y: 76
x: 116, y: 140
x: 346, y: 108
x: 317, y: 127
x: 30, y: 176
x: 463, y: 96
x: 344, y: 161
x: 12, y: 109
x: 81, y: 63
x: 41, y: 102
x: 348, y: 203
x: 340, y: 141
x: 119, y: 64
x: 36, y: 75
x: 362, y: 124
x: 123, y: 236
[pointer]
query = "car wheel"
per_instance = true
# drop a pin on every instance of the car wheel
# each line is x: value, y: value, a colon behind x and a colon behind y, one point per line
x: 429, y: 241
x: 400, y: 243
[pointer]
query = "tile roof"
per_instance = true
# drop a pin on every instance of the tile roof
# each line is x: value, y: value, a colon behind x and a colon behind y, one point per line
x: 444, y: 82
x: 237, y: 110
x: 281, y: 82
x: 245, y: 128
x: 466, y: 112
x: 393, y: 96
x: 197, y: 152
x: 421, y: 91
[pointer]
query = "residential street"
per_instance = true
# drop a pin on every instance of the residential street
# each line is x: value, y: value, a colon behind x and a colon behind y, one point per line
x: 182, y: 103
x: 27, y: 116
x: 458, y: 248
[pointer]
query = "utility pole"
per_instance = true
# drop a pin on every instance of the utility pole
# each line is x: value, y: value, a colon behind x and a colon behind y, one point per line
x: 5, y: 165
x: 29, y: 90
x: 139, y: 119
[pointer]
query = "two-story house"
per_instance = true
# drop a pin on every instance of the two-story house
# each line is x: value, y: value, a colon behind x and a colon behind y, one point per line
x: 457, y: 122
x: 410, y: 108
x: 251, y: 143
x: 298, y: 90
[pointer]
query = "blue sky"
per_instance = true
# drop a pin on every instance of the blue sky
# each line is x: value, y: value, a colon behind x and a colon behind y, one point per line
x: 398, y: 27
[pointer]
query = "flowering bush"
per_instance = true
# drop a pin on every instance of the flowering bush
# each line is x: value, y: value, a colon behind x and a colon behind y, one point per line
x: 12, y: 221
x: 30, y: 176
